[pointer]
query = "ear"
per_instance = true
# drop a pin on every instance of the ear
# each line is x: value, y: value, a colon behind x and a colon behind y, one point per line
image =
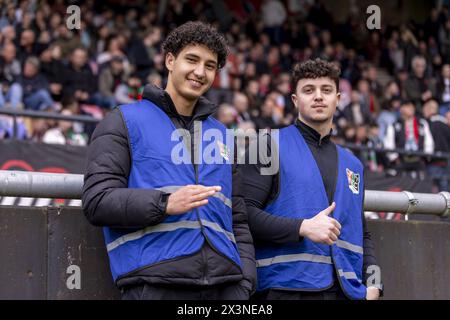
x: 338, y: 96
x: 294, y: 99
x: 170, y: 59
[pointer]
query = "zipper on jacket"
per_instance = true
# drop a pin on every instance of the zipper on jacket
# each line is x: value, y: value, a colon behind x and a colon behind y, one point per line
x: 205, y: 279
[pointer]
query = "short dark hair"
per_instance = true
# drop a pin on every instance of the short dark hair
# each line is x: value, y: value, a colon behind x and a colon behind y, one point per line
x: 197, y: 33
x: 313, y: 69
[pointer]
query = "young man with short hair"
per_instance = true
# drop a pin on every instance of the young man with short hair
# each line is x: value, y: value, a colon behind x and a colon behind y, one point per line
x: 307, y: 220
x: 174, y: 230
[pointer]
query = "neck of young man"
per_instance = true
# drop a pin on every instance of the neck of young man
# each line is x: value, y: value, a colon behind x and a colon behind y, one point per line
x: 323, y: 128
x: 184, y: 107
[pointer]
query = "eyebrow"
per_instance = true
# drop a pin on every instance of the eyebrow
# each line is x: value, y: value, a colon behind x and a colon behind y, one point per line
x: 192, y: 55
x: 322, y: 86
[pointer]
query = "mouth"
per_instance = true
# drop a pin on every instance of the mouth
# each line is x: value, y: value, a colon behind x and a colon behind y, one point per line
x: 195, y: 83
x: 314, y: 106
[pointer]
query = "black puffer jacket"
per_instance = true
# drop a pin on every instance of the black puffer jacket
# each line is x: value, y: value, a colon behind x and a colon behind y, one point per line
x: 108, y: 202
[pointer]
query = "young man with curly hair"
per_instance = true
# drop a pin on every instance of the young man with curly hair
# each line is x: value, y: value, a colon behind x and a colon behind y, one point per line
x: 307, y: 220
x: 173, y: 229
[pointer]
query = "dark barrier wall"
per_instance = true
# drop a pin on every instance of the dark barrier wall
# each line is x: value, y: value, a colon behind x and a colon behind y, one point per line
x: 45, y: 251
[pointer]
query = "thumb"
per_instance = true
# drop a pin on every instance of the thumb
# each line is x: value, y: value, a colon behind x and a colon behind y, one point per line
x: 328, y: 210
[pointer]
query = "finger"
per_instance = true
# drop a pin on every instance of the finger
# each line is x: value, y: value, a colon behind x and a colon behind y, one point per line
x: 336, y: 224
x: 336, y: 231
x: 329, y: 210
x: 196, y: 189
x: 197, y: 204
x: 201, y: 196
x: 333, y: 237
x: 201, y: 189
x: 215, y: 188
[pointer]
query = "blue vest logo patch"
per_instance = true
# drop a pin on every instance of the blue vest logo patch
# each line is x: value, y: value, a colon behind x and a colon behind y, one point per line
x: 353, y: 181
x: 224, y: 152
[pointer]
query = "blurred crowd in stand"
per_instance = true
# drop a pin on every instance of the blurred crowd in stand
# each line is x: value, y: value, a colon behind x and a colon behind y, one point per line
x: 395, y: 85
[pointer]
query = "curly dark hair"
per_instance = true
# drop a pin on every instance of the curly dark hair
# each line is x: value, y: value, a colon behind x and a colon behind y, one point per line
x: 196, y: 32
x: 313, y: 69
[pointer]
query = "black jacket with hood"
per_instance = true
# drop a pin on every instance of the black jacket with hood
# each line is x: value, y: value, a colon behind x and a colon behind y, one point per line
x: 108, y: 202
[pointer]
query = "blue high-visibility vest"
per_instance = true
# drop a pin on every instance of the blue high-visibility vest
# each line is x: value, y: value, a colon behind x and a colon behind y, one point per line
x: 161, y: 160
x: 306, y: 265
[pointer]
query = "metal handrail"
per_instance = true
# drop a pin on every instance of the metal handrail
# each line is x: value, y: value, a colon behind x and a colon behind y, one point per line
x: 69, y: 186
x: 43, y: 114
x: 359, y: 147
x: 47, y: 115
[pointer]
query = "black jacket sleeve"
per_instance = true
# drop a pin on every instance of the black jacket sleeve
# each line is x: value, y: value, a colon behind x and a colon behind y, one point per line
x: 107, y: 200
x: 257, y: 191
x: 242, y: 233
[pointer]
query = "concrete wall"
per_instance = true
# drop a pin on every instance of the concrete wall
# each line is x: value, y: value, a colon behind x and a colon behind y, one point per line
x: 38, y: 245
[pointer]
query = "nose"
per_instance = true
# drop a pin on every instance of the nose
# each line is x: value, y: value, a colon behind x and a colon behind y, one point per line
x: 199, y: 70
x: 318, y: 95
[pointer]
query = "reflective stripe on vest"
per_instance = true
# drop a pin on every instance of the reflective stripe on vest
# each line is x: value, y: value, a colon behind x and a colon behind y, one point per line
x: 351, y: 247
x: 167, y: 227
x: 350, y: 275
x: 293, y: 257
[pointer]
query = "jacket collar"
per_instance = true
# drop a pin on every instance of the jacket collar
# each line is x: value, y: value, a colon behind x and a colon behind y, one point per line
x: 203, y: 109
x: 311, y: 136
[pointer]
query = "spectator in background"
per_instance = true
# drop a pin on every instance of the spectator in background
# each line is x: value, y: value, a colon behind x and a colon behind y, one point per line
x: 113, y: 49
x: 79, y: 81
x: 28, y: 45
x: 371, y: 75
x: 377, y: 161
x: 131, y: 91
x: 443, y: 89
x: 412, y: 134
x: 356, y: 111
x: 418, y: 87
x: 265, y: 120
x: 368, y: 98
x: 388, y: 115
x: 155, y: 79
x: 37, y: 129
x: 444, y: 40
x: 36, y: 95
x: 391, y: 91
x: 9, y: 35
x: 283, y: 87
x: 143, y: 52
x: 440, y: 130
x: 52, y: 68
x: 8, y: 17
x: 253, y: 95
x: 227, y: 115
x: 240, y: 103
x: 10, y: 70
x: 66, y: 39
x: 111, y: 77
x: 63, y: 133
x: 345, y: 88
x: 401, y: 77
x: 7, y: 128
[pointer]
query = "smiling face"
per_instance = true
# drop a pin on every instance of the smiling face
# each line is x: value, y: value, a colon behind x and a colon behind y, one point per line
x: 316, y: 100
x: 191, y: 72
